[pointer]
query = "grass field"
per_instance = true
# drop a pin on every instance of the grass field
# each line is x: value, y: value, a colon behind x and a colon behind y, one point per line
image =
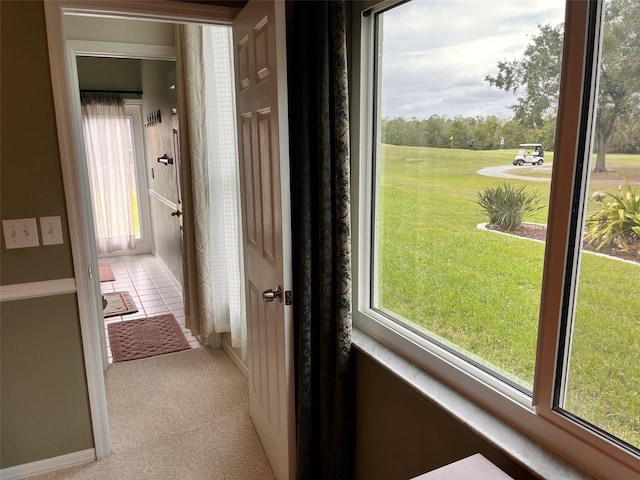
x: 481, y: 290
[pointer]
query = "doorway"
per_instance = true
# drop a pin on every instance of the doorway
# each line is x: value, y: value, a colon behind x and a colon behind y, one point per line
x: 116, y: 162
x: 260, y: 46
x: 163, y: 188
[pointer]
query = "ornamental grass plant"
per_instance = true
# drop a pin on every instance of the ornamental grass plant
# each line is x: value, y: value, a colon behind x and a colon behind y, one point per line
x: 508, y: 205
x: 617, y: 220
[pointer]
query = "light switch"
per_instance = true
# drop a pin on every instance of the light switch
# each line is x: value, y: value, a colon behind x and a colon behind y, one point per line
x: 51, y: 230
x: 20, y: 233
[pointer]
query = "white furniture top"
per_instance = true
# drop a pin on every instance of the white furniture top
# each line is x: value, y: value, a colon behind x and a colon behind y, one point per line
x: 475, y: 467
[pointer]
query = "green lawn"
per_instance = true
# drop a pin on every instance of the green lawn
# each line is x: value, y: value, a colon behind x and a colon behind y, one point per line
x: 481, y: 290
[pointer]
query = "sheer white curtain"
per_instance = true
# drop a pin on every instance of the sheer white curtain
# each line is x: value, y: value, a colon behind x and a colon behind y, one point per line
x: 108, y: 145
x: 214, y: 270
x: 224, y: 187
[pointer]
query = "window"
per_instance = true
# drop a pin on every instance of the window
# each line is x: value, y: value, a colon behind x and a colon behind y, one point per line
x: 467, y: 109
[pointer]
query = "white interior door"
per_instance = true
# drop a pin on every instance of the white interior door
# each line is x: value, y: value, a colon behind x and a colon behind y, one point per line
x: 260, y: 70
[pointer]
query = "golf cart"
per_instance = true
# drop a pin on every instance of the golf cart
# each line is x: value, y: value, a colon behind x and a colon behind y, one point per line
x: 532, y: 153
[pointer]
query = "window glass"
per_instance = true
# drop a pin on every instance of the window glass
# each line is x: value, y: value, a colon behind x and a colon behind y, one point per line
x: 466, y: 105
x: 602, y: 383
x: 134, y: 180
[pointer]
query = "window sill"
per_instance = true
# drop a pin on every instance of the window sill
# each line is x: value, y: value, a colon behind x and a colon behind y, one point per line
x: 512, y: 442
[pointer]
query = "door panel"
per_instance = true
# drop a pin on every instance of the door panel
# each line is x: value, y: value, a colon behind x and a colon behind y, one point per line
x: 264, y: 120
x: 264, y: 163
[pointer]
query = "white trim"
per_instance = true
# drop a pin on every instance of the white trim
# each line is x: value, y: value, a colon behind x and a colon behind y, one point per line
x: 168, y: 271
x: 161, y: 199
x: 48, y: 465
x: 77, y: 196
x: 88, y: 48
x: 287, y: 239
x: 47, y: 288
x: 539, y: 422
x: 507, y: 438
x: 233, y: 355
x: 159, y: 10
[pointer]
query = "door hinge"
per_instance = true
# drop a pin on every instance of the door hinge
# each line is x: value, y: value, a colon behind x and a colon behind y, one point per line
x: 288, y: 297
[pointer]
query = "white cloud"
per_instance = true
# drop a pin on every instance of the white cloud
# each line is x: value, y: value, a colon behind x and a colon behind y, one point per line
x: 437, y: 53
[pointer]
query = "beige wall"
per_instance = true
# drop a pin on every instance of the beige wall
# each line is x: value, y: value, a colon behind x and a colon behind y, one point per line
x: 156, y: 77
x: 44, y: 409
x: 401, y: 434
x: 118, y: 30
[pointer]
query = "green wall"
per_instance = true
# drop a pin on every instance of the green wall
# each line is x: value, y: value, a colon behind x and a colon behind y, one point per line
x: 100, y: 73
x: 30, y: 174
x: 44, y: 406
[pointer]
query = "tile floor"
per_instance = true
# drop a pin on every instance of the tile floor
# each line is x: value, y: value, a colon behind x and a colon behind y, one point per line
x: 151, y: 287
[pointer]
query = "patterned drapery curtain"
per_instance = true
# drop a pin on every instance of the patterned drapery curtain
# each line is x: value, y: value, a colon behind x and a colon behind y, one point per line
x: 212, y: 230
x: 196, y: 285
x: 321, y: 227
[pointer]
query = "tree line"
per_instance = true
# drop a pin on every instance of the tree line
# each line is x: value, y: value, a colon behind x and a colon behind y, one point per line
x: 437, y: 131
x: 618, y: 104
x: 535, y: 80
x: 486, y: 132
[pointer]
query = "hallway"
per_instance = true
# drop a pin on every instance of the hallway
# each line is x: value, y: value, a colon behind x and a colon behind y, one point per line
x: 151, y: 286
x: 183, y: 415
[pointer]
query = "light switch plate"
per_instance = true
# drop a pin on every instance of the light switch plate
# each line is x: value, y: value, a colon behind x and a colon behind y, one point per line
x: 51, y: 230
x: 20, y: 233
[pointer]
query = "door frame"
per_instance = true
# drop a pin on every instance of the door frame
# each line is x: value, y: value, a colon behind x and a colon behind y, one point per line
x: 75, y: 179
x: 89, y: 48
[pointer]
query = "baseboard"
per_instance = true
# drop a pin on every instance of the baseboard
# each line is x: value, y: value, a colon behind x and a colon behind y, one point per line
x: 48, y: 465
x: 233, y: 355
x: 168, y: 271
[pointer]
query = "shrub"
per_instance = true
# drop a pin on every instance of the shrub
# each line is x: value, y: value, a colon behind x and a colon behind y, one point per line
x: 508, y: 206
x: 617, y: 221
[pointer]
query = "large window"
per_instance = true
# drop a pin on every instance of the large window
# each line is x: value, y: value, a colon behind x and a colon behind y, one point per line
x: 499, y: 215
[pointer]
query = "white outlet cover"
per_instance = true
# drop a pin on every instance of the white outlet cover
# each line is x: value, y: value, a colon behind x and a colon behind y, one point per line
x: 51, y: 230
x: 20, y: 233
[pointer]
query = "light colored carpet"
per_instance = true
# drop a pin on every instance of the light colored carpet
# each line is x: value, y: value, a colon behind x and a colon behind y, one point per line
x: 183, y: 415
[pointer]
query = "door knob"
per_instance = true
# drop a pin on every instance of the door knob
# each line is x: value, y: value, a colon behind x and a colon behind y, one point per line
x: 271, y: 295
x: 177, y: 213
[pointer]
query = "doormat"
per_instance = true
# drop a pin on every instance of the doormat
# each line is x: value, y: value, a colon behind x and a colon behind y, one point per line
x: 146, y: 337
x: 118, y: 303
x: 105, y: 272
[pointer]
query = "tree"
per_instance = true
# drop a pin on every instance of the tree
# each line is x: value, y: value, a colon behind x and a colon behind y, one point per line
x: 536, y: 76
x: 619, y: 88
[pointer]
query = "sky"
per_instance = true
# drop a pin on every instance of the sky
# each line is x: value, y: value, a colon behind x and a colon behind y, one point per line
x: 436, y: 54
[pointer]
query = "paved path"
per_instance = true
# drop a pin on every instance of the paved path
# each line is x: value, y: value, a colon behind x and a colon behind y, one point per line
x: 502, y: 171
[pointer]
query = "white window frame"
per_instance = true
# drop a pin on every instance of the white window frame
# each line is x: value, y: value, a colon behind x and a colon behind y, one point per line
x: 535, y: 416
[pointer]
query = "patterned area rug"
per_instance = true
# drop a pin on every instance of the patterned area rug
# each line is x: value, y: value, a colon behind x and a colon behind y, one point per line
x: 118, y: 303
x: 146, y: 337
x: 105, y: 272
